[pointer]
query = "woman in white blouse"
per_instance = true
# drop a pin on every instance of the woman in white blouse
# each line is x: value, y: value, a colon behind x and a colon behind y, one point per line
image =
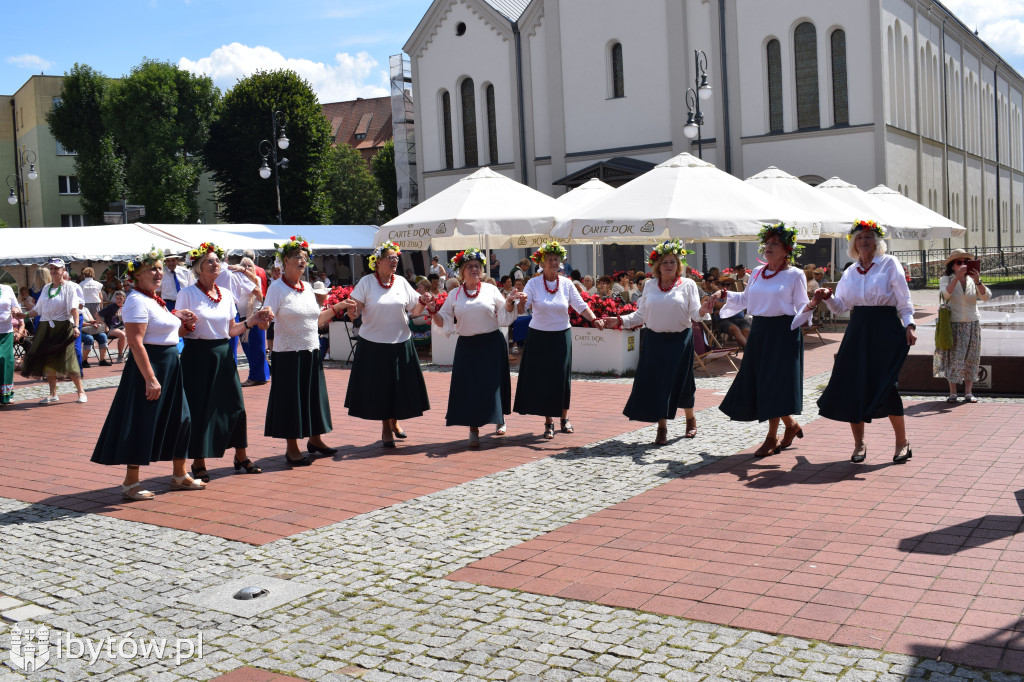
x: 10, y: 310
x: 481, y: 388
x: 770, y: 383
x: 961, y: 288
x: 212, y: 386
x: 664, y: 374
x: 298, y: 406
x: 867, y: 367
x: 149, y: 419
x: 544, y: 387
x: 386, y: 383
x: 53, y: 349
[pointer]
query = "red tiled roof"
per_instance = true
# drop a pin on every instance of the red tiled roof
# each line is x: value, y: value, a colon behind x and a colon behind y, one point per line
x: 364, y: 117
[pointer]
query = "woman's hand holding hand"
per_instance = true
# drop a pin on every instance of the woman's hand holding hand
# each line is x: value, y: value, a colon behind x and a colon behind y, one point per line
x: 610, y: 322
x: 599, y: 324
x: 911, y: 336
x: 426, y: 299
x: 152, y: 389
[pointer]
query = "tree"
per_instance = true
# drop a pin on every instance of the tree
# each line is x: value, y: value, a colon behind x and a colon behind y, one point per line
x: 233, y: 153
x: 383, y: 165
x: 76, y: 121
x: 160, y: 117
x: 352, y: 189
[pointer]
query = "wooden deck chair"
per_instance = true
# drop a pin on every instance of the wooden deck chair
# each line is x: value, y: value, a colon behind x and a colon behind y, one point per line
x: 705, y: 351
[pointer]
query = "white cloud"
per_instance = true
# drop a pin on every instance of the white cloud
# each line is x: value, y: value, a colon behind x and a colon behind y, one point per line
x: 30, y: 61
x: 1000, y: 23
x: 350, y: 76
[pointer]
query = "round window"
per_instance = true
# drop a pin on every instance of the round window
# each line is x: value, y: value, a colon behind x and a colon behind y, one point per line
x: 460, y: 28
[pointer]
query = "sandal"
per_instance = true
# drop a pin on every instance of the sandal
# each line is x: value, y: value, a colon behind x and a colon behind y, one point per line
x: 662, y: 437
x: 566, y: 426
x: 126, y: 492
x: 249, y: 467
x: 691, y: 427
x: 500, y: 431
x: 200, y: 473
x: 179, y: 483
x: 951, y: 399
x: 969, y: 398
x: 549, y: 430
x: 474, y: 438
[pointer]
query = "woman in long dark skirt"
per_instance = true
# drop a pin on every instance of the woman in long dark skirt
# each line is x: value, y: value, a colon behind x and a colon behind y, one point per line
x: 481, y: 388
x: 149, y: 419
x: 544, y: 387
x: 664, y: 374
x: 212, y: 387
x: 386, y: 382
x: 769, y: 385
x: 864, y: 378
x: 298, y: 406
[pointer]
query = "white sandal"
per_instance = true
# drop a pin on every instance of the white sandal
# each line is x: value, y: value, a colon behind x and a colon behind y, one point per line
x: 126, y: 492
x: 500, y: 431
x: 178, y: 483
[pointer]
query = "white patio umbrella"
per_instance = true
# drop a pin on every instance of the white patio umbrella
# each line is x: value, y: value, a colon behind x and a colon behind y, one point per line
x: 486, y: 210
x: 591, y: 191
x: 683, y: 198
x: 836, y: 216
x: 942, y: 227
x: 900, y: 222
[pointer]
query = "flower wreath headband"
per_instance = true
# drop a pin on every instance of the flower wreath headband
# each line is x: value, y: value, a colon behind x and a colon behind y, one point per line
x: 463, y: 257
x: 294, y: 243
x: 549, y: 247
x: 786, y: 235
x: 674, y: 247
x: 198, y: 254
x: 154, y: 257
x: 866, y: 225
x: 381, y: 250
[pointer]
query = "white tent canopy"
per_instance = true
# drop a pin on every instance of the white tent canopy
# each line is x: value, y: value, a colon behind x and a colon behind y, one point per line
x: 683, y: 198
x: 485, y: 209
x: 901, y: 223
x: 942, y: 227
x: 590, y: 192
x: 837, y: 217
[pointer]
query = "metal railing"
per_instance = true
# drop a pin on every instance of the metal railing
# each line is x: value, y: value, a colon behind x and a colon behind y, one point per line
x: 926, y: 266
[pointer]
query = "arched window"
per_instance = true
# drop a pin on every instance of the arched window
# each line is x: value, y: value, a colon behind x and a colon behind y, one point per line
x: 805, y: 44
x: 469, y: 146
x: 774, y: 86
x: 618, y: 77
x: 891, y: 109
x: 840, y: 98
x: 492, y: 125
x: 446, y: 124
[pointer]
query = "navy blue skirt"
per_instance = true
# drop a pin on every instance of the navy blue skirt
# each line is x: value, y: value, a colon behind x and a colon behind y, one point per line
x: 481, y: 389
x: 664, y: 376
x: 770, y: 382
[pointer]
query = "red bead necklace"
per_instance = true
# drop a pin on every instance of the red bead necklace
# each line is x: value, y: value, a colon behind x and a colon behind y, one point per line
x: 155, y: 296
x: 670, y: 286
x: 469, y: 295
x: 550, y: 291
x: 865, y: 271
x: 299, y: 287
x: 391, y: 282
x: 220, y: 294
x: 764, y: 276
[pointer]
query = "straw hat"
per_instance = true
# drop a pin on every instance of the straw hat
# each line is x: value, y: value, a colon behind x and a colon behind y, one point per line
x: 958, y: 253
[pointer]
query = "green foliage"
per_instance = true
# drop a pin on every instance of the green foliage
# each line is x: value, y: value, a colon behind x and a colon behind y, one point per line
x: 160, y: 116
x: 77, y: 123
x: 232, y: 151
x: 352, y: 189
x: 383, y: 165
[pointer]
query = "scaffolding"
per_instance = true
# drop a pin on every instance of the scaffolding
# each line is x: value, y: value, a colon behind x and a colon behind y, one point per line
x: 402, y: 117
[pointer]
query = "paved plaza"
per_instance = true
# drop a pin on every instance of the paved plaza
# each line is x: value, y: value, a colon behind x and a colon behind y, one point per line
x: 592, y: 556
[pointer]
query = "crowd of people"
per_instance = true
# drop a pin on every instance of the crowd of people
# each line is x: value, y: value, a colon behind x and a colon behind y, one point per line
x: 180, y: 395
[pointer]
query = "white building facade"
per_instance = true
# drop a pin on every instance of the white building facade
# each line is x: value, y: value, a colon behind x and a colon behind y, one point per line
x: 894, y: 92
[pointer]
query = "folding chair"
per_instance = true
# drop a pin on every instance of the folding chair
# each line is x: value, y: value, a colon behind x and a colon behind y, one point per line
x: 812, y: 329
x: 352, y: 333
x: 705, y: 351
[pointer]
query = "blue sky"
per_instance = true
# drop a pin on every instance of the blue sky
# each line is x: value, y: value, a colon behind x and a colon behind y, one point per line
x: 340, y: 46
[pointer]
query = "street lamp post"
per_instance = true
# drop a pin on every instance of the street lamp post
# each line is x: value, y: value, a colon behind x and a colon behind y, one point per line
x: 701, y: 90
x: 17, y: 193
x: 269, y: 149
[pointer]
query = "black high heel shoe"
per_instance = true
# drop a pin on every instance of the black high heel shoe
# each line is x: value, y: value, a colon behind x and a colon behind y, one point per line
x: 399, y: 433
x: 903, y: 453
x: 249, y: 467
x: 317, y: 450
x: 200, y: 474
x: 303, y: 461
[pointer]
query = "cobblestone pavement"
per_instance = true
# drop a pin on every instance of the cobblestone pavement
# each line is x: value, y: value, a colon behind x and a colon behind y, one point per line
x: 382, y: 607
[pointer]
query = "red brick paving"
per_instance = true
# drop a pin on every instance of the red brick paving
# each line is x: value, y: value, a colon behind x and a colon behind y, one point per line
x: 923, y: 558
x: 248, y: 674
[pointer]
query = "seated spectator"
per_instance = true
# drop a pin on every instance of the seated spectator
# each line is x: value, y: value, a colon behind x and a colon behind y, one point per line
x: 93, y: 331
x: 588, y: 284
x: 111, y: 316
x: 451, y: 283
x: 92, y: 291
x: 812, y: 284
x: 422, y: 286
x: 604, y: 287
x: 506, y: 286
x: 741, y: 275
x: 710, y: 285
x: 736, y: 326
x: 434, y: 280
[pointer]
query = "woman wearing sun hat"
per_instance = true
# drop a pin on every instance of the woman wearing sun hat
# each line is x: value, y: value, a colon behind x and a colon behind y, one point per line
x: 664, y: 373
x: 961, y: 288
x: 863, y: 385
x: 386, y: 382
x: 481, y: 389
x: 149, y: 419
x: 770, y: 384
x: 544, y: 387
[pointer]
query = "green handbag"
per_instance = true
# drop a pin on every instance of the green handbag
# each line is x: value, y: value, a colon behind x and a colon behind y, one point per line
x: 944, y: 327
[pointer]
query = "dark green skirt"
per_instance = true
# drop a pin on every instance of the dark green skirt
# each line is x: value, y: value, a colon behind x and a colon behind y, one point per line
x: 770, y: 382
x: 214, y: 396
x: 139, y: 431
x: 6, y: 367
x: 481, y: 388
x: 298, y: 406
x: 867, y: 368
x: 664, y: 376
x: 386, y: 382
x: 53, y: 350
x: 545, y: 372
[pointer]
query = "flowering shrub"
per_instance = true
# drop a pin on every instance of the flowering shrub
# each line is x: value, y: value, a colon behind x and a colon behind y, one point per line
x: 337, y: 295
x: 602, y: 307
